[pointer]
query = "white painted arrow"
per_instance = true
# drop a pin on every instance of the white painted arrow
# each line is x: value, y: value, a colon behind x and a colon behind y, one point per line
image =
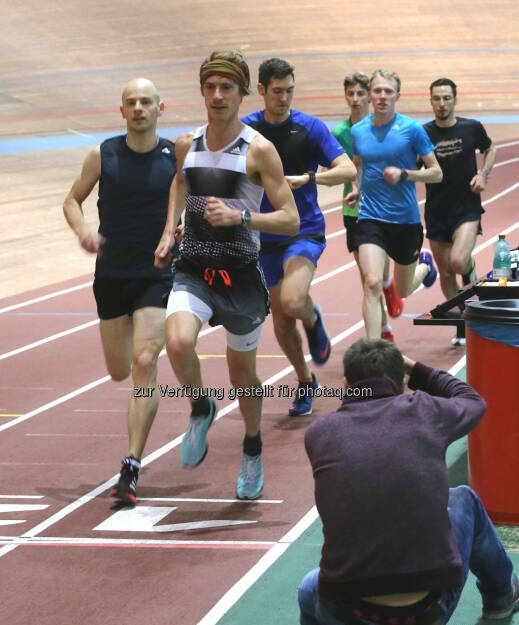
x: 145, y: 518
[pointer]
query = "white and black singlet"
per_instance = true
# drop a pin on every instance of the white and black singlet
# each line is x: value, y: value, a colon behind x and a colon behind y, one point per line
x: 221, y: 174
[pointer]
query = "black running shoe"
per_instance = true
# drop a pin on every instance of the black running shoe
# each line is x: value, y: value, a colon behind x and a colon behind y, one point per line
x: 126, y: 488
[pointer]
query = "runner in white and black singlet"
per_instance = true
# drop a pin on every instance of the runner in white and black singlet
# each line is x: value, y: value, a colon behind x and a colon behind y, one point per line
x: 223, y: 169
x: 135, y: 172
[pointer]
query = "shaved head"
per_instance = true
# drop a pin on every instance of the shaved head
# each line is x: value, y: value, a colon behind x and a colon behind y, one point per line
x: 142, y: 85
x: 141, y: 106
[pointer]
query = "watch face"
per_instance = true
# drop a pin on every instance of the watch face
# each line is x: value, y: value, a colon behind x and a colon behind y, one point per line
x: 246, y: 217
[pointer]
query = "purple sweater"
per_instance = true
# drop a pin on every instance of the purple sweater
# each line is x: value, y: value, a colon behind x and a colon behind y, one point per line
x: 381, y: 486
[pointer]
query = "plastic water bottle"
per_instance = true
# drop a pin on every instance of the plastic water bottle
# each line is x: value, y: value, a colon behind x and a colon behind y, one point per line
x: 502, y: 265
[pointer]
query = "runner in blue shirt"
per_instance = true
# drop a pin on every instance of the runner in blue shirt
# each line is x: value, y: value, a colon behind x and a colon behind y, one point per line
x: 303, y: 143
x: 386, y: 144
x: 356, y: 94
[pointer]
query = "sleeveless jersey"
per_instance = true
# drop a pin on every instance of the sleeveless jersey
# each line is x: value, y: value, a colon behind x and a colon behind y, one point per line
x: 133, y: 206
x: 222, y: 174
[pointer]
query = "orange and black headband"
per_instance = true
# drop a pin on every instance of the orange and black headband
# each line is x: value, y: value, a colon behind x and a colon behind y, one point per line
x: 225, y: 68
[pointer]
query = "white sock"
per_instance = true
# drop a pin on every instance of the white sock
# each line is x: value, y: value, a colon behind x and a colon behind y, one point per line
x: 387, y: 283
x: 387, y: 327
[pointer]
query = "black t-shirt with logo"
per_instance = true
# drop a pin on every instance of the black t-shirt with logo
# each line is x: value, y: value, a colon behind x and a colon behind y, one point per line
x: 455, y: 148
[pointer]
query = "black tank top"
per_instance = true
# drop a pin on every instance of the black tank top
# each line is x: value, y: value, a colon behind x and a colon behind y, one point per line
x: 133, y: 205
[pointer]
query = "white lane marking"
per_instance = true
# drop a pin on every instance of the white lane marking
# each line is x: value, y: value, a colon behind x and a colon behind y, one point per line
x: 334, y: 272
x: 254, y: 573
x: 126, y: 542
x: 335, y: 234
x: 17, y: 507
x: 45, y: 297
x: 266, y: 561
x: 53, y: 337
x: 79, y: 391
x: 55, y: 402
x: 456, y: 368
x: 21, y: 496
x: 5, y: 522
x: 145, y: 519
x: 84, y: 326
x: 500, y: 164
x: 332, y: 210
x: 501, y: 194
x: 506, y: 145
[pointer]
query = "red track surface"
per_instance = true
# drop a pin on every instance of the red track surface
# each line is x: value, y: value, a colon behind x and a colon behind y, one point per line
x: 66, y: 452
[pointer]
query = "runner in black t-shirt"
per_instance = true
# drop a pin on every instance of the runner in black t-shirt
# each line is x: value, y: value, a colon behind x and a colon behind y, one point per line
x: 453, y: 207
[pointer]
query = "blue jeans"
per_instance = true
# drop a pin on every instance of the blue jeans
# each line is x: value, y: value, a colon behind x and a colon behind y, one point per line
x: 480, y: 549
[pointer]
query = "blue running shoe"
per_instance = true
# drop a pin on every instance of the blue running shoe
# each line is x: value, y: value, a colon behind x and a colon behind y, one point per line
x: 302, y: 403
x: 426, y: 258
x: 250, y: 480
x: 318, y: 341
x: 194, y: 444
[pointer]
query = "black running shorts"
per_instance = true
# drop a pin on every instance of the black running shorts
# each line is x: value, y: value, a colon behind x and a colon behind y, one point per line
x: 123, y: 296
x: 402, y: 242
x: 442, y: 228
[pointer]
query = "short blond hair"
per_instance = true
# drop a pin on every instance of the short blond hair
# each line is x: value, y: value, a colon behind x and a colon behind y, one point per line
x: 388, y: 75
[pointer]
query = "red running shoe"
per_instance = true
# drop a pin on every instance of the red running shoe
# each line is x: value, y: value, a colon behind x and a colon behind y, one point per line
x: 388, y: 336
x: 394, y: 303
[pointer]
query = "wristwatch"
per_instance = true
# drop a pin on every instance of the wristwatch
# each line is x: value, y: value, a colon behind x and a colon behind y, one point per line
x: 404, y: 175
x: 311, y: 177
x: 246, y: 217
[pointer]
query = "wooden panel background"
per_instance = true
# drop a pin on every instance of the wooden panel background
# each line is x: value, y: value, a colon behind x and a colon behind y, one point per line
x: 64, y: 65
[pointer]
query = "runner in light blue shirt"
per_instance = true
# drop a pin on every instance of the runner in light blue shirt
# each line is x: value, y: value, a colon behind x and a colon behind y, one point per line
x: 386, y: 146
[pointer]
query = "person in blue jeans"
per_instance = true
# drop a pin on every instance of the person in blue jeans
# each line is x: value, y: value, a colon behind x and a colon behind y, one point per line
x: 398, y: 543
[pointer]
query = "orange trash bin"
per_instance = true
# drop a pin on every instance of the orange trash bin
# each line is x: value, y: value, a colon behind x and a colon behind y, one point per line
x: 492, y: 333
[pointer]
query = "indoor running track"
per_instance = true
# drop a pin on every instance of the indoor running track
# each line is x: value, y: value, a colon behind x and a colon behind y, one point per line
x: 65, y: 555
